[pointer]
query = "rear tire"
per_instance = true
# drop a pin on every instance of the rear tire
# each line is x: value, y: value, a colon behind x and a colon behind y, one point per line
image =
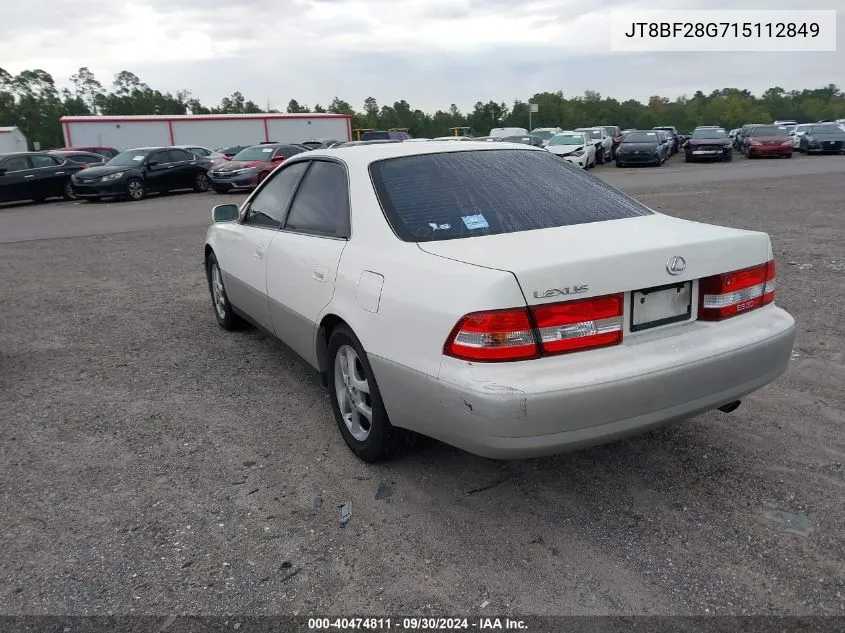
x: 219, y: 190
x: 618, y: 164
x: 67, y: 192
x: 355, y: 395
x: 600, y: 156
x: 200, y: 182
x: 788, y: 156
x: 226, y: 317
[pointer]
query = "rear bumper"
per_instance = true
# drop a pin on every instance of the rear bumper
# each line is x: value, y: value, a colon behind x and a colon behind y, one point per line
x: 551, y: 405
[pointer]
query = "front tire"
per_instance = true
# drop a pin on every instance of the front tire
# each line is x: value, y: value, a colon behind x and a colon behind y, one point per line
x: 135, y: 190
x: 356, y: 401
x: 226, y: 317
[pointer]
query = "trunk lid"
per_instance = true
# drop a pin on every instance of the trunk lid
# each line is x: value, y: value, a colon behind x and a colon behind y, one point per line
x: 608, y: 257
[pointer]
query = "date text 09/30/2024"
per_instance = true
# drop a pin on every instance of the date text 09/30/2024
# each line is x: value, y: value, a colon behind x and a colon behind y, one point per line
x: 416, y: 624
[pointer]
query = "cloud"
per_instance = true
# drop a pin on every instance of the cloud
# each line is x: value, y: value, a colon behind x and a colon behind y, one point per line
x: 430, y: 52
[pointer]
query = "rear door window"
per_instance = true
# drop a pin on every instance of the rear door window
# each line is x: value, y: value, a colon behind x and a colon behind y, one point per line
x: 450, y: 195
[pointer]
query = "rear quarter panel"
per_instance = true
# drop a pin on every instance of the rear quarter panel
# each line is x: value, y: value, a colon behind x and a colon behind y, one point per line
x: 422, y: 296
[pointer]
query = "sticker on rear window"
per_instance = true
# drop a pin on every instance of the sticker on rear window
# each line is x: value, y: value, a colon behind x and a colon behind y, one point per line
x: 476, y: 221
x: 267, y: 150
x: 138, y: 157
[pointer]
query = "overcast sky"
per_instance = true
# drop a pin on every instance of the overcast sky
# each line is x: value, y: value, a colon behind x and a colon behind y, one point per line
x: 429, y: 52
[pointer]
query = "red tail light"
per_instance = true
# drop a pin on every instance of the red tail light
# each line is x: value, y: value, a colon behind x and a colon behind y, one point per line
x: 575, y: 325
x: 506, y: 335
x: 493, y: 336
x: 729, y: 294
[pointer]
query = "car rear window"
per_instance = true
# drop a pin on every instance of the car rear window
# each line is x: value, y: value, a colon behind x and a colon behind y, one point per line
x: 451, y: 195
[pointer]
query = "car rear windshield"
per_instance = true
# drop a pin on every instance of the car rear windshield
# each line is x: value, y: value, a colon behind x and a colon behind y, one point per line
x: 641, y: 137
x: 451, y: 195
x: 543, y: 134
x: 769, y: 130
x: 257, y: 152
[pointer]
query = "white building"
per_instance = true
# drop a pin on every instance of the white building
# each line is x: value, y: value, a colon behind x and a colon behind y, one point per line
x: 207, y: 130
x: 12, y: 140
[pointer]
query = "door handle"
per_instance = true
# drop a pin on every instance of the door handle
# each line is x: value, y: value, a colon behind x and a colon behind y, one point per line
x: 60, y: 173
x: 259, y: 250
x: 320, y: 273
x: 30, y: 176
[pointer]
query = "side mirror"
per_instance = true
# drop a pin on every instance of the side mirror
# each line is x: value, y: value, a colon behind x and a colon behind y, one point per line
x: 225, y: 213
x: 277, y: 159
x: 2, y: 170
x: 152, y: 163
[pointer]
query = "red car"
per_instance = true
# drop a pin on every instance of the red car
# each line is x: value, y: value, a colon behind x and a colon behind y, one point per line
x: 768, y: 140
x: 250, y: 166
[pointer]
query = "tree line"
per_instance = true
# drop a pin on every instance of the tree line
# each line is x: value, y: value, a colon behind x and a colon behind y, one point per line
x: 32, y: 101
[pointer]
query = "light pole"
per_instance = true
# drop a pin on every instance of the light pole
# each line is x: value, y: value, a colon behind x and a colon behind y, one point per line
x: 532, y: 108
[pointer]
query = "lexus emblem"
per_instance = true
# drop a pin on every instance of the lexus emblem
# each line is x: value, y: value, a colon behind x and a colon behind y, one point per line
x: 676, y: 265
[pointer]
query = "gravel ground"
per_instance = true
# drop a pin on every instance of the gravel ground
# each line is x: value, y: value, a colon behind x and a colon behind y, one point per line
x: 153, y: 463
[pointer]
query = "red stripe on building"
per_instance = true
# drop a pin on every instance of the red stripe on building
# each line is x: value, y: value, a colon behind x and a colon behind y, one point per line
x: 150, y: 119
x: 266, y: 130
x: 68, y: 141
x: 170, y: 129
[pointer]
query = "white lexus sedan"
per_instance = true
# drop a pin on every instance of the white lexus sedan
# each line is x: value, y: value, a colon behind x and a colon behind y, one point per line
x: 494, y: 297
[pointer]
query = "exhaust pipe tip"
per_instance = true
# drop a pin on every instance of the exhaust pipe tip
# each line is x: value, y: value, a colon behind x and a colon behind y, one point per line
x: 731, y: 406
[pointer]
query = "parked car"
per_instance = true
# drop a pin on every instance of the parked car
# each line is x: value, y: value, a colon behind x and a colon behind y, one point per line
x: 603, y: 143
x: 673, y: 133
x: 797, y: 133
x: 665, y: 143
x: 487, y: 138
x: 822, y: 138
x: 373, y: 142
x: 501, y: 132
x: 450, y: 138
x: 229, y: 152
x: 768, y: 140
x: 741, y: 137
x: 708, y: 143
x: 385, y: 135
x: 133, y: 174
x: 615, y: 134
x: 315, y: 144
x: 656, y: 319
x: 641, y: 147
x: 107, y: 152
x: 89, y: 159
x: 36, y: 176
x: 202, y: 152
x: 575, y: 147
x: 250, y: 166
x: 536, y: 141
x: 545, y: 133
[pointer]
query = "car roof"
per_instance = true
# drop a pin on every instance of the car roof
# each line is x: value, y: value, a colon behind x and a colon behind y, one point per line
x: 363, y: 155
